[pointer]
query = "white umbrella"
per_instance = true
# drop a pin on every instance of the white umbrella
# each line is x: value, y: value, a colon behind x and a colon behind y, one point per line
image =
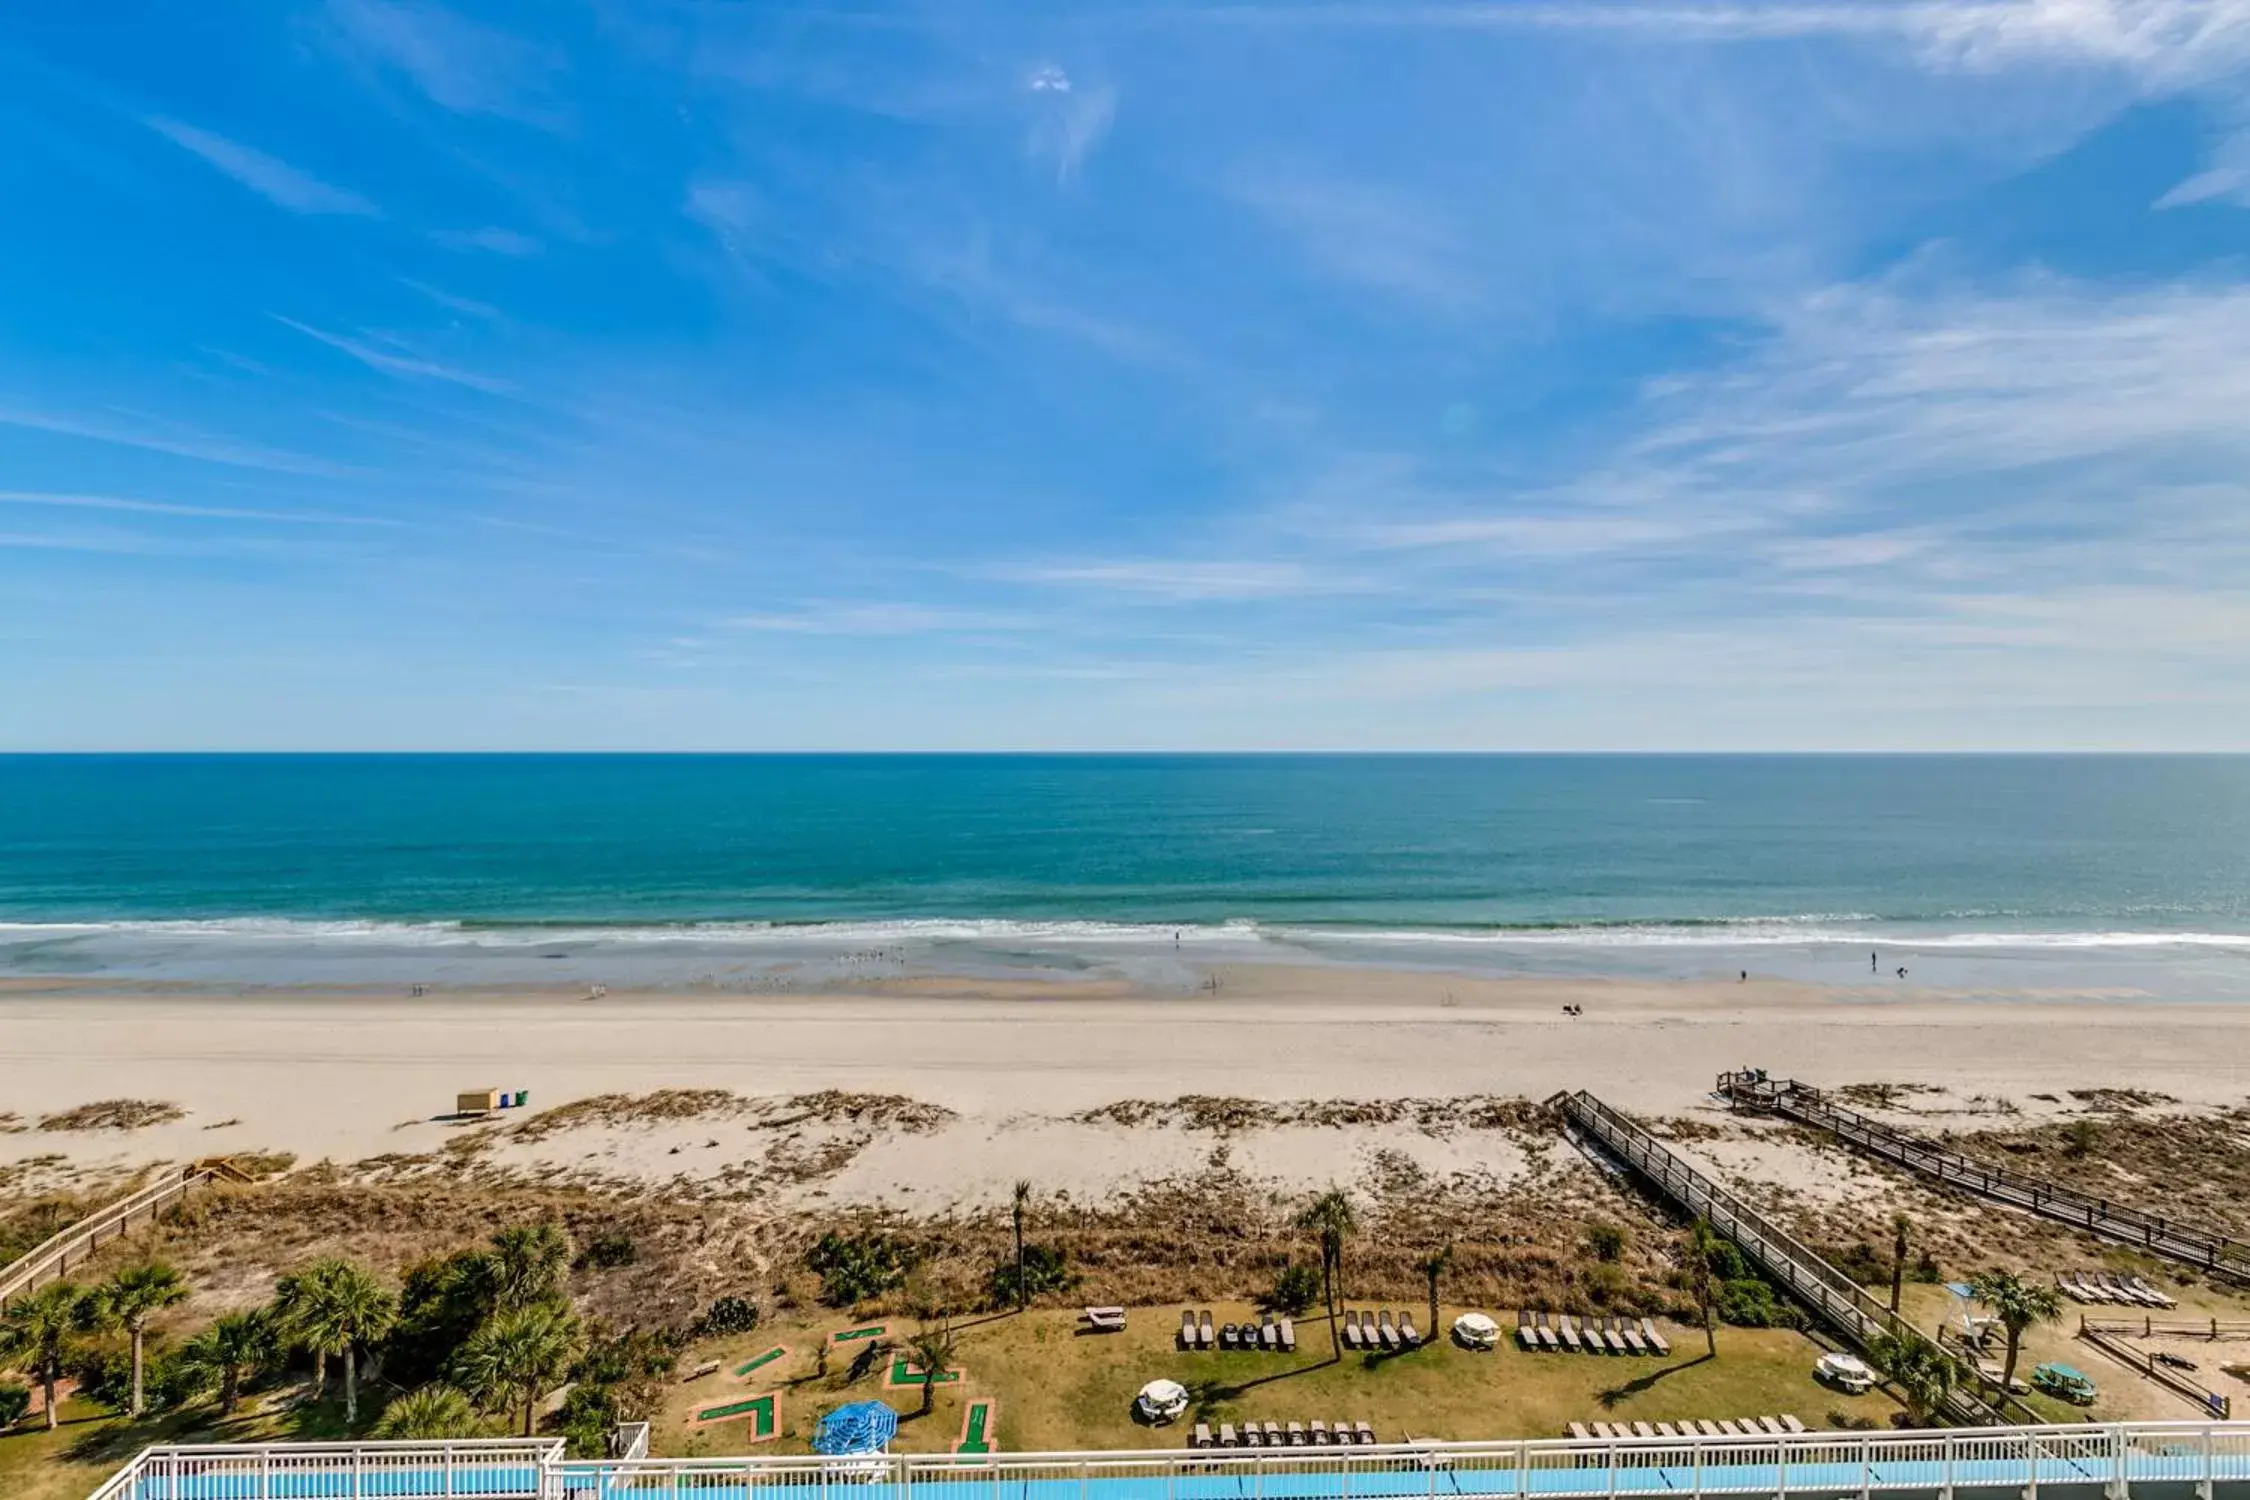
x: 1162, y: 1400
x: 1476, y: 1331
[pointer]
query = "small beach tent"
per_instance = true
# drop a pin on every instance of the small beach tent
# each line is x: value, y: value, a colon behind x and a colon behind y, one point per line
x: 477, y: 1102
x: 861, y: 1427
x: 1476, y: 1331
x: 1162, y: 1400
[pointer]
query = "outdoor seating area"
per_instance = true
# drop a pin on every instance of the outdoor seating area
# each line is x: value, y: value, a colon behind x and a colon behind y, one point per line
x: 1263, y: 1435
x: 1535, y: 1334
x: 2106, y: 1287
x: 1784, y: 1425
x: 1104, y: 1319
x: 1381, y: 1330
x: 1270, y: 1335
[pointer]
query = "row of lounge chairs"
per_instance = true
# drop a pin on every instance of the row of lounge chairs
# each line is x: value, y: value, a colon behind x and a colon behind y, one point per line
x: 1376, y: 1330
x: 1781, y: 1426
x: 2103, y: 1286
x: 1284, y: 1435
x: 1274, y: 1335
x: 1592, y: 1336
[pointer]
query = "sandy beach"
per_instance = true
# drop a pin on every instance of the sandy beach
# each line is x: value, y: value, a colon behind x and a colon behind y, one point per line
x: 978, y: 1082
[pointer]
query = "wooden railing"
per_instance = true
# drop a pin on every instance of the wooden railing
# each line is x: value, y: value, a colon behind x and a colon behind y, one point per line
x: 2190, y: 1244
x: 2214, y: 1403
x: 1839, y: 1301
x: 52, y: 1259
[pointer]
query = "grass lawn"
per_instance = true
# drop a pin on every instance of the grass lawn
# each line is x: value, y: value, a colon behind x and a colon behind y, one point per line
x: 1059, y: 1389
x: 71, y: 1462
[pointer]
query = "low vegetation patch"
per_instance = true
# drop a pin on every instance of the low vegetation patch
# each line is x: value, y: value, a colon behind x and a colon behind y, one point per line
x: 114, y: 1114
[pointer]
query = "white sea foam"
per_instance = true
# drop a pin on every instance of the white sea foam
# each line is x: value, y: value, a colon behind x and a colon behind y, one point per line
x: 1803, y: 930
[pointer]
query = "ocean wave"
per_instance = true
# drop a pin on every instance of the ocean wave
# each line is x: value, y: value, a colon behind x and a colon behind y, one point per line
x: 1799, y: 930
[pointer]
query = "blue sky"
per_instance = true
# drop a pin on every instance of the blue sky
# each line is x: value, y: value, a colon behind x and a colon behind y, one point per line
x: 378, y: 374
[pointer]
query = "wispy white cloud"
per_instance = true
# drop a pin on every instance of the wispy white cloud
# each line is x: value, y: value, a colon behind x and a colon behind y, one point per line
x: 1187, y: 580
x: 871, y: 618
x: 268, y: 176
x: 1375, y: 235
x: 402, y: 363
x: 1069, y: 119
x: 133, y: 430
x: 51, y: 501
x: 490, y: 239
x: 463, y: 65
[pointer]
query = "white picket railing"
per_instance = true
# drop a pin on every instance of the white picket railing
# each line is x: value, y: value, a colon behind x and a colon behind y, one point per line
x: 2114, y: 1460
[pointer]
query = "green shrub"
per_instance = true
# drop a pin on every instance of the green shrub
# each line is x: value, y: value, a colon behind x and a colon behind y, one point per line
x: 1295, y: 1288
x: 728, y: 1315
x: 1605, y: 1242
x: 104, y: 1373
x: 589, y: 1414
x: 1045, y: 1270
x: 1750, y: 1303
x: 855, y: 1269
x: 608, y: 1250
x: 1727, y: 1263
x: 15, y: 1400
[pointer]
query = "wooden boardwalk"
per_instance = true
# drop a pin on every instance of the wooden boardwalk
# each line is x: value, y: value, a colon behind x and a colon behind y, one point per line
x: 2190, y: 1244
x: 52, y: 1259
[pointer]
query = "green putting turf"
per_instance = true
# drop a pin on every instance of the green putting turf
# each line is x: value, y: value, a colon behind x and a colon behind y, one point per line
x: 904, y: 1373
x: 764, y: 1413
x: 976, y: 1429
x: 766, y: 1358
x: 850, y: 1334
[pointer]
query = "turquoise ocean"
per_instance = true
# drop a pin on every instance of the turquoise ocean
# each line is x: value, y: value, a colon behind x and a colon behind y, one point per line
x: 2006, y: 874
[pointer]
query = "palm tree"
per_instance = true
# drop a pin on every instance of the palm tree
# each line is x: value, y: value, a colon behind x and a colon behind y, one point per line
x: 526, y: 1264
x: 2018, y: 1304
x: 1921, y: 1372
x: 932, y: 1347
x: 337, y: 1307
x: 1330, y: 1216
x: 39, y: 1332
x: 433, y: 1413
x: 1023, y: 1198
x: 128, y: 1300
x: 1900, y: 1225
x: 517, y: 1357
x: 1433, y: 1266
x: 228, y: 1352
x: 1702, y: 1248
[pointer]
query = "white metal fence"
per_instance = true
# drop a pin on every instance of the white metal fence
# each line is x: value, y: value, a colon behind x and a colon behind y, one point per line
x: 2118, y: 1460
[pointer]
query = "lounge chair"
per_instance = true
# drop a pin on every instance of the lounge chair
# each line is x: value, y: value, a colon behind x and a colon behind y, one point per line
x: 1728, y: 1429
x: 1228, y: 1437
x: 2068, y: 1286
x: 1202, y: 1438
x: 2090, y: 1289
x: 1350, y: 1334
x: 2156, y: 1294
x: 2116, y: 1289
x: 2140, y: 1291
x: 1203, y: 1331
x: 1296, y: 1434
x: 1610, y: 1337
x: 1251, y: 1436
x: 1319, y: 1433
x: 1408, y: 1334
x: 1643, y: 1430
x: 1364, y: 1434
x: 1666, y: 1430
x: 1288, y: 1333
x: 1771, y: 1428
x: 1790, y: 1424
x: 1525, y: 1338
x: 1630, y: 1334
x: 1548, y: 1339
x: 1226, y: 1335
x: 1187, y: 1330
x: 1604, y: 1432
x: 1707, y: 1429
x: 1568, y: 1328
x: 1656, y: 1340
x: 1105, y: 1319
x: 1577, y: 1433
x: 1385, y: 1333
x: 1273, y: 1435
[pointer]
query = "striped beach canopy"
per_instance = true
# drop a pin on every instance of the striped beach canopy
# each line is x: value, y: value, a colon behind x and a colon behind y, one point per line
x: 861, y: 1427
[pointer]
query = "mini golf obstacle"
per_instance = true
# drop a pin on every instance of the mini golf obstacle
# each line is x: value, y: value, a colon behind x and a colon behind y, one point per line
x: 976, y: 1427
x: 767, y: 1358
x: 905, y: 1373
x: 861, y: 1427
x: 854, y: 1335
x: 763, y: 1411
